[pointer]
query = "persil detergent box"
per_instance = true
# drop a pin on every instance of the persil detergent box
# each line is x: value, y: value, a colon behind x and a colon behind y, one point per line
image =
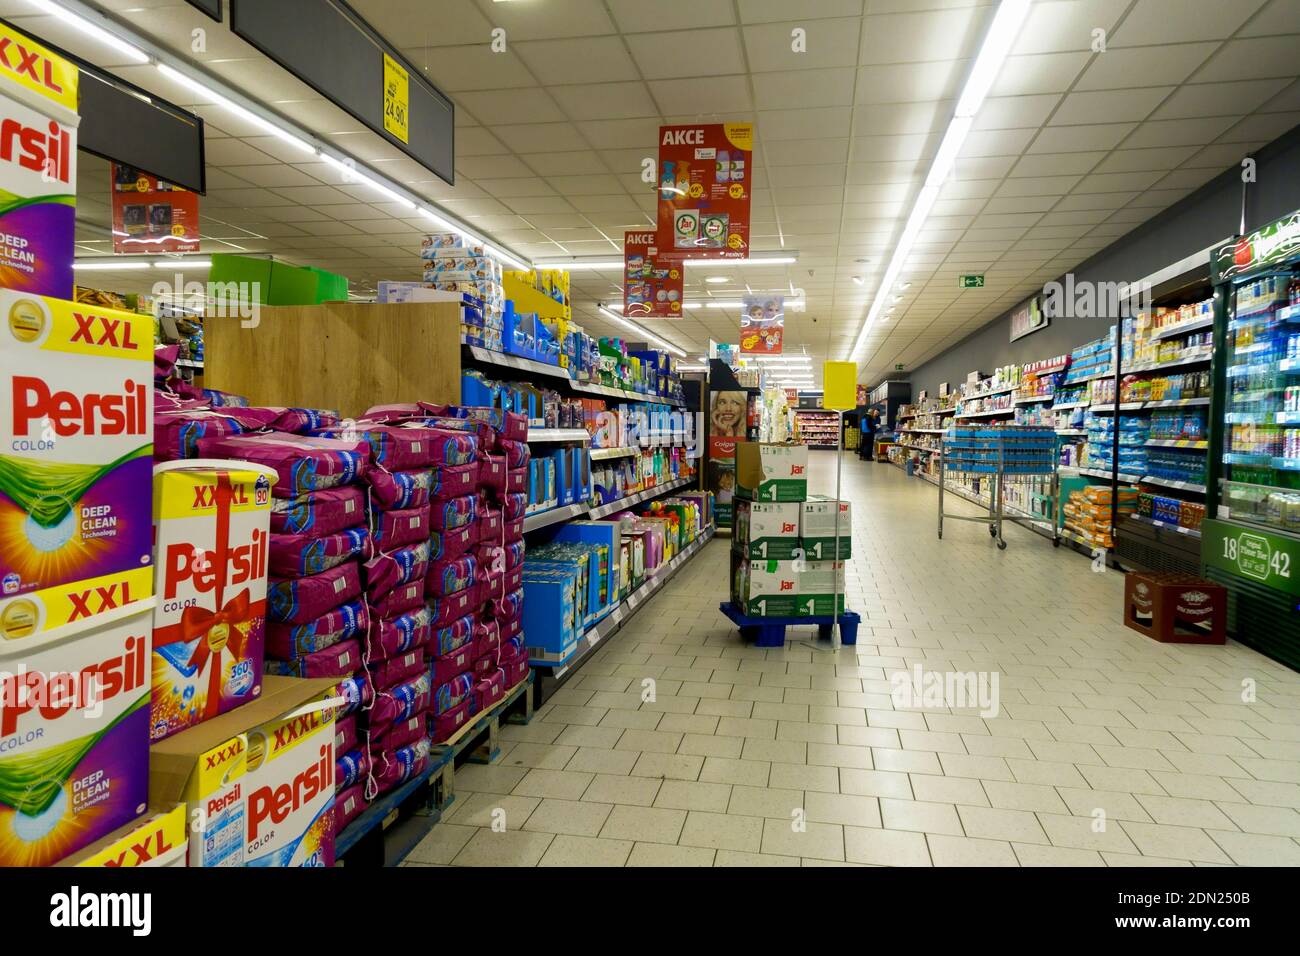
x: 242, y: 785
x: 74, y: 732
x: 159, y: 839
x: 212, y: 539
x: 291, y: 789
x: 76, y: 442
x: 38, y: 166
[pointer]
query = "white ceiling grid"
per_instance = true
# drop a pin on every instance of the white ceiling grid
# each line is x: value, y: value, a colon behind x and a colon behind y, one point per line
x: 1071, y: 150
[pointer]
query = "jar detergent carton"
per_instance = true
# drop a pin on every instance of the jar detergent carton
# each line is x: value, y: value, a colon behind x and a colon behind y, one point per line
x: 212, y: 536
x: 257, y: 782
x: 76, y: 442
x: 74, y: 732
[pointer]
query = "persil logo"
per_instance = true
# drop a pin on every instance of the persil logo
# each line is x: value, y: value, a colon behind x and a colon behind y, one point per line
x: 275, y: 803
x: 45, y: 151
x: 224, y: 802
x: 52, y: 694
x: 72, y: 414
x: 188, y: 563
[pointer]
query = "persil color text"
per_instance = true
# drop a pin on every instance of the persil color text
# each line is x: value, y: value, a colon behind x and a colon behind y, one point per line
x: 290, y: 785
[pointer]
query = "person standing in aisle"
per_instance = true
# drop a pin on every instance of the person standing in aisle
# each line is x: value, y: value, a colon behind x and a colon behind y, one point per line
x: 868, y: 422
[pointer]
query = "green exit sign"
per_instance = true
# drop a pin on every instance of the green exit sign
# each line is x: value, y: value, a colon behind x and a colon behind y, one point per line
x: 973, y: 281
x: 898, y: 366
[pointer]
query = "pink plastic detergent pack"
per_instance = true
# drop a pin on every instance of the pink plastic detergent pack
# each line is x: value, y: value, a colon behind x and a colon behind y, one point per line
x: 304, y: 464
x: 299, y: 600
x: 393, y: 448
x: 401, y: 489
x: 399, y: 635
x: 394, y: 670
x: 338, y: 624
x: 394, y: 528
x: 384, y: 572
x: 297, y: 555
x: 407, y: 699
x: 319, y: 513
x: 449, y: 576
x: 393, y: 768
x: 338, y: 660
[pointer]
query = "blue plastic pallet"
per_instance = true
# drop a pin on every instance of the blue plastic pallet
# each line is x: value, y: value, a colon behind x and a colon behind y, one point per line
x: 770, y: 631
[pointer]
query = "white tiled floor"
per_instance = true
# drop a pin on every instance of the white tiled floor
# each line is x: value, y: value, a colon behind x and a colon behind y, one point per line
x: 1109, y: 749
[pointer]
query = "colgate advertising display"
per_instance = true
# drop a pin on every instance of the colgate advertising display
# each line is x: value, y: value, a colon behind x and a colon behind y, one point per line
x: 38, y: 166
x: 213, y: 524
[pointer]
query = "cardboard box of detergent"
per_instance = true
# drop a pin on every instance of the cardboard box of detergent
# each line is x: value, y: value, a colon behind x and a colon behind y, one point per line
x: 213, y: 521
x: 74, y: 730
x: 819, y: 582
x: 765, y: 529
x: 771, y: 472
x: 817, y: 528
x: 159, y: 839
x: 258, y: 782
x: 76, y: 442
x: 764, y: 588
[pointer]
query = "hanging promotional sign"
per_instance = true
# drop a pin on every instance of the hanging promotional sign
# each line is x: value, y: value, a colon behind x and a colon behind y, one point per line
x: 38, y: 167
x: 151, y: 214
x: 862, y: 395
x: 762, y: 324
x: 705, y: 184
x: 653, y: 280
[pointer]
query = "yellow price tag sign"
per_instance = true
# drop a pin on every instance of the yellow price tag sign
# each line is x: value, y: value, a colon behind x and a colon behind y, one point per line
x: 736, y: 191
x: 142, y: 184
x: 397, y: 94
x: 696, y: 190
x: 674, y: 274
x: 734, y: 241
x: 178, y: 231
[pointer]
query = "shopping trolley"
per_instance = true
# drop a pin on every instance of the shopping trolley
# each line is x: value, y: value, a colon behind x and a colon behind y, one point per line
x: 996, y: 455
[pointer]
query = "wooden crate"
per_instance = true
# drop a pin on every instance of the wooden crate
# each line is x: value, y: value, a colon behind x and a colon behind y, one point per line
x: 340, y: 355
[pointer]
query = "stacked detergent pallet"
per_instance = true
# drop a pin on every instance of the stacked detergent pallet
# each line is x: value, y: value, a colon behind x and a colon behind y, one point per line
x: 395, y: 555
x: 785, y: 565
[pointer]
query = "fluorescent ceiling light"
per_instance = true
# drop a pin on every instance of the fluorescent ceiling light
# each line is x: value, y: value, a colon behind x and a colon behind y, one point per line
x: 230, y: 106
x: 713, y: 280
x: 858, y: 279
x: 182, y: 263
x: 102, y: 266
x: 77, y: 22
x: 905, y: 285
x: 583, y: 265
x: 1007, y: 21
x: 758, y: 260
x: 349, y: 171
x: 650, y: 336
x: 997, y: 44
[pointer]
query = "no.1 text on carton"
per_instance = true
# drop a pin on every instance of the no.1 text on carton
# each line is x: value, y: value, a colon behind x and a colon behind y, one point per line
x: 817, y: 528
x: 819, y: 581
x: 762, y: 529
x: 771, y: 472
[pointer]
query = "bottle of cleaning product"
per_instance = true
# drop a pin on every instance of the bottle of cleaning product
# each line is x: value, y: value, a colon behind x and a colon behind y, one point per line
x: 722, y: 171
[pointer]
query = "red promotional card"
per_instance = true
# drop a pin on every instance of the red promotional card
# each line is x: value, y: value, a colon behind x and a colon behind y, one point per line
x: 762, y: 325
x: 653, y: 280
x: 151, y: 214
x: 705, y: 183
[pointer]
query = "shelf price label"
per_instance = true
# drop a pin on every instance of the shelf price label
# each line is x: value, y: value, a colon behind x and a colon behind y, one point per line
x: 1256, y: 555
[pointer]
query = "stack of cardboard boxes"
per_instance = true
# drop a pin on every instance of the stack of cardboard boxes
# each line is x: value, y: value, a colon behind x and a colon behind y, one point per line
x: 784, y: 561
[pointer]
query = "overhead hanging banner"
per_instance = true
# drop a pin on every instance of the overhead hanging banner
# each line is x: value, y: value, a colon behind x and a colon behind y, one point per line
x: 762, y: 324
x: 152, y: 215
x: 705, y: 184
x: 653, y: 280
x: 38, y: 166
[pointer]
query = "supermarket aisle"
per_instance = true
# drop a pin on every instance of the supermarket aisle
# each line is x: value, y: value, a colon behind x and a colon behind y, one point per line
x: 1107, y: 749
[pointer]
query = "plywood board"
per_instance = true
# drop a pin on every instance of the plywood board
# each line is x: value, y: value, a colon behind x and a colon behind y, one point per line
x: 339, y: 355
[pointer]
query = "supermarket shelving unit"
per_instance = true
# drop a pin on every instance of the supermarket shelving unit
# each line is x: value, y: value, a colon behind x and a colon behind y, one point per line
x: 818, y: 428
